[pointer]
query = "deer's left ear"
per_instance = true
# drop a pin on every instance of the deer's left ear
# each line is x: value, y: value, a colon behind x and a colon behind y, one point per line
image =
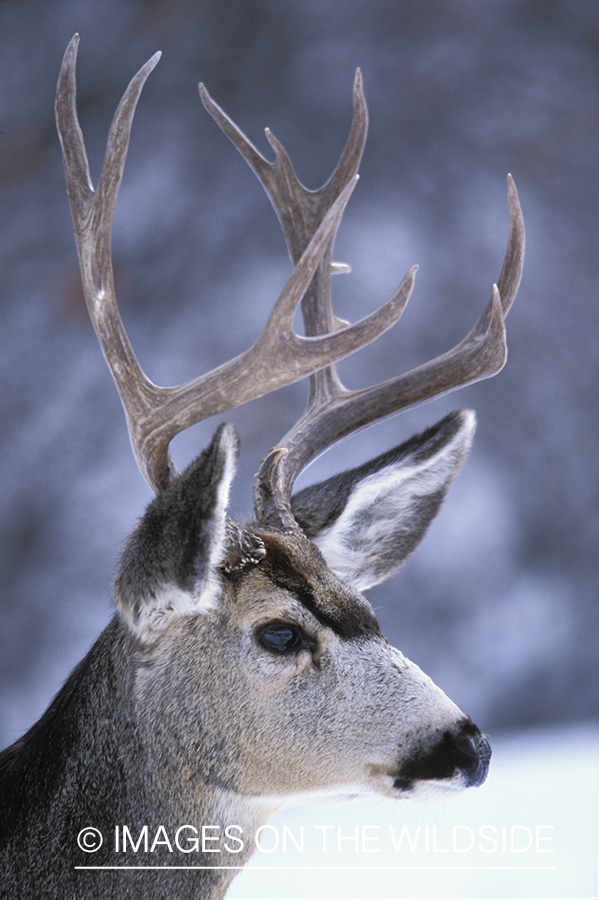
x: 368, y: 520
x: 170, y: 563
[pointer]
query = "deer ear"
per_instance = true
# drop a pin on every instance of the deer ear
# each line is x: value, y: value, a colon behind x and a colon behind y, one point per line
x: 170, y: 563
x: 367, y: 521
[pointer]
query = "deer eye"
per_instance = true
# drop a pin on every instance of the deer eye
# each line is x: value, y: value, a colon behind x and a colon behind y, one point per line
x: 281, y: 637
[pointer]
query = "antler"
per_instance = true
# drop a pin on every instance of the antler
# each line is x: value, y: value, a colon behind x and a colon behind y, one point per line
x: 155, y: 415
x: 309, y: 220
x: 333, y: 411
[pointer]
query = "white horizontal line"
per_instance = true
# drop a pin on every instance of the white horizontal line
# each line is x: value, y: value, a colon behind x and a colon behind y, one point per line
x: 336, y: 868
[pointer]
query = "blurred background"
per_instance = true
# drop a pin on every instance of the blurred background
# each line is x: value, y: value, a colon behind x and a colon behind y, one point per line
x: 499, y: 604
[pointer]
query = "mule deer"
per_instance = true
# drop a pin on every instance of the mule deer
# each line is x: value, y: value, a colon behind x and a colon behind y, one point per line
x: 243, y: 670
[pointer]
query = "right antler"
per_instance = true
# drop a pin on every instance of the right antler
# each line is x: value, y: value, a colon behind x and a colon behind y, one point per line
x: 333, y: 411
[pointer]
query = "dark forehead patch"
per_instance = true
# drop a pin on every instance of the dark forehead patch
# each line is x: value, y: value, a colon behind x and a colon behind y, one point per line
x: 294, y: 563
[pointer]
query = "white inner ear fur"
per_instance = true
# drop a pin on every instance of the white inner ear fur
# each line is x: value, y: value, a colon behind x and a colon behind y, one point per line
x: 384, y: 504
x: 170, y: 601
x: 206, y: 593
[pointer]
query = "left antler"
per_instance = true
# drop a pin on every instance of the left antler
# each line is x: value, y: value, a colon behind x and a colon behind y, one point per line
x: 278, y: 357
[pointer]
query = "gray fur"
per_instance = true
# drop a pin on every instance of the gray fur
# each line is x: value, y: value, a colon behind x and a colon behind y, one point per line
x: 188, y: 720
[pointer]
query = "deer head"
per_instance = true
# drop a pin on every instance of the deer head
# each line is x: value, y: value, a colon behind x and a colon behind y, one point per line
x: 255, y: 672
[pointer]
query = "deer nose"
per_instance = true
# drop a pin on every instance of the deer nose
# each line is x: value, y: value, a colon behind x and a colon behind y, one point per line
x: 465, y: 754
x: 471, y: 756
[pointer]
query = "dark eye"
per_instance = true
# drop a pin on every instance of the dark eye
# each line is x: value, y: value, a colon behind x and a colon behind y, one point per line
x: 281, y: 637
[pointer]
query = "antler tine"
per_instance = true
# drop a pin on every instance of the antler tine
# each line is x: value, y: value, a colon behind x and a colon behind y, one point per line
x: 511, y: 271
x: 277, y: 358
x: 299, y: 210
x: 333, y: 414
x: 93, y: 214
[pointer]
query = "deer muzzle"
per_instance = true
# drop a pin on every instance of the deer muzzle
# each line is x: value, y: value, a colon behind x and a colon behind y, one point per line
x: 457, y: 758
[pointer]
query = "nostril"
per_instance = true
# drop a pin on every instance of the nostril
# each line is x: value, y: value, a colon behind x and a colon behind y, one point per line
x: 466, y: 746
x: 472, y: 756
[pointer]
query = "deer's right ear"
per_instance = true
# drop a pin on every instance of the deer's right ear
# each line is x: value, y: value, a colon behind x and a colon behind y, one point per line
x: 367, y: 521
x: 170, y: 563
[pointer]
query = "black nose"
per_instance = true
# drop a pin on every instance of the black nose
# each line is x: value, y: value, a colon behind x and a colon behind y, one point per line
x: 471, y: 756
x: 464, y: 752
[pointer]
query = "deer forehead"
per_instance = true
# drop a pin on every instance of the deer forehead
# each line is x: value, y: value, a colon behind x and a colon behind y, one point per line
x: 293, y: 578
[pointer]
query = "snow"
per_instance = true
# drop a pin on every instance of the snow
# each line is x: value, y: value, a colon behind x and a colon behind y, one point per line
x: 529, y: 833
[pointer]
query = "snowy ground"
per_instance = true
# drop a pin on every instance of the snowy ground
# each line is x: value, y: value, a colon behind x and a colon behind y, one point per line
x: 530, y: 833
